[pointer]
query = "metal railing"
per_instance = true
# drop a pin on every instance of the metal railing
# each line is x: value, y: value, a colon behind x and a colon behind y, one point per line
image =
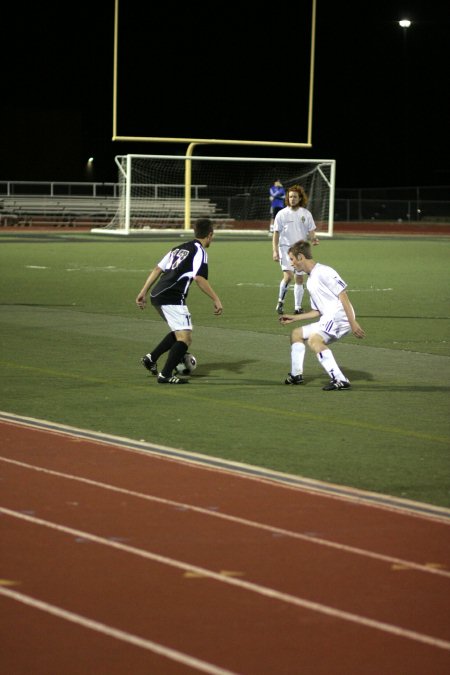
x: 57, y: 189
x: 402, y: 210
x: 411, y: 204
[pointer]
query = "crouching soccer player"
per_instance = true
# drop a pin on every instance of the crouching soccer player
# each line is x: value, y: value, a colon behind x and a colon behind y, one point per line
x: 335, y: 314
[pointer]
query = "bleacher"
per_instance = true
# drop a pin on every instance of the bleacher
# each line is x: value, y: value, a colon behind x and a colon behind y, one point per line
x: 29, y: 210
x: 172, y: 208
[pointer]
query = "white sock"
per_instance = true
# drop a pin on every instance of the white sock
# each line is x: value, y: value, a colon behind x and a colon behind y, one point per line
x: 328, y: 363
x: 283, y: 291
x: 297, y: 358
x: 298, y: 295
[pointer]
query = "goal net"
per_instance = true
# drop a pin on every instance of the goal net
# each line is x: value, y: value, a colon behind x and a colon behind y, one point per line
x: 166, y: 191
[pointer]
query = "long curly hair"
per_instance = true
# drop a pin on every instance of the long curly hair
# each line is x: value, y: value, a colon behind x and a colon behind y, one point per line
x: 300, y: 191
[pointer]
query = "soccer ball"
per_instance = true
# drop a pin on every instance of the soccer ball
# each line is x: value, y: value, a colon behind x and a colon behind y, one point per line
x: 187, y: 365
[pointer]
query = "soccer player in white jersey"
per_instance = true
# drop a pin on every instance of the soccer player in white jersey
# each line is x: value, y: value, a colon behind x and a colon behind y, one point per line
x: 335, y: 314
x: 293, y: 223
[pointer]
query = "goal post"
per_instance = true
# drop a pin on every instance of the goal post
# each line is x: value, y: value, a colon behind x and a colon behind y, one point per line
x: 172, y: 191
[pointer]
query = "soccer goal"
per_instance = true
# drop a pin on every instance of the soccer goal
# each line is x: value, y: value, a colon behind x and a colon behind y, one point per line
x: 167, y: 191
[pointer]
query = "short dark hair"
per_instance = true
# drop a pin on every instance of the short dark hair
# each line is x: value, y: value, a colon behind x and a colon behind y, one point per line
x: 303, y: 247
x: 203, y: 227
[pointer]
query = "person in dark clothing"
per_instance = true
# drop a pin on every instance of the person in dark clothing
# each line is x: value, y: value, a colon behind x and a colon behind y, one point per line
x: 277, y: 195
x: 170, y: 281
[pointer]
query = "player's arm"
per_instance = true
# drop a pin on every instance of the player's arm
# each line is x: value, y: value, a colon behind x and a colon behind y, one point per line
x: 313, y: 237
x: 206, y: 287
x: 141, y: 299
x: 348, y: 309
x: 289, y: 318
x: 275, y: 240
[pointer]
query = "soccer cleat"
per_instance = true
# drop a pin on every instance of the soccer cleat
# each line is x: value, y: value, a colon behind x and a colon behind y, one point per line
x: 294, y: 379
x: 279, y: 308
x: 299, y: 311
x: 336, y: 384
x: 171, y: 380
x: 150, y: 365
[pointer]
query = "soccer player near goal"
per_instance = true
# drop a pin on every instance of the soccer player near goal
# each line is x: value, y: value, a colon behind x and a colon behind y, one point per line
x: 292, y: 224
x: 174, y: 274
x: 330, y: 304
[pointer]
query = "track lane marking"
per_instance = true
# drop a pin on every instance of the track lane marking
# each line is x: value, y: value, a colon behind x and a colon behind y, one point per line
x: 289, y: 481
x: 116, y: 633
x: 264, y: 591
x: 431, y: 568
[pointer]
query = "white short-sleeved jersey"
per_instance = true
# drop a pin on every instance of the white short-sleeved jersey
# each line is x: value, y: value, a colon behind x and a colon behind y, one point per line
x: 292, y: 225
x: 324, y: 286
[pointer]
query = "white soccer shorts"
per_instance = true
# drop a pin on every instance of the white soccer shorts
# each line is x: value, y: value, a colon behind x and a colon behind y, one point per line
x: 329, y: 330
x: 177, y: 316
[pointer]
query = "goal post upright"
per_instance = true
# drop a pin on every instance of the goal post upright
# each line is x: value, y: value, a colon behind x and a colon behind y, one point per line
x: 332, y: 198
x: 133, y: 199
x: 128, y: 197
x: 217, y: 141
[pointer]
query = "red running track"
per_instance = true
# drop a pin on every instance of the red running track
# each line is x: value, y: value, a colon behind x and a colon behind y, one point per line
x: 116, y: 560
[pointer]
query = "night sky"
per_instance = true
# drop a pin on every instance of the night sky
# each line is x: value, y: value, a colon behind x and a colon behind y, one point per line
x: 380, y: 94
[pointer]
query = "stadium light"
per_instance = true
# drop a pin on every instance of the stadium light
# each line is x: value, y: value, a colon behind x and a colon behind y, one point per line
x: 90, y: 168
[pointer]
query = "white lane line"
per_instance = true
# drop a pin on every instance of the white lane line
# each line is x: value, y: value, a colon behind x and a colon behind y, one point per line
x: 242, y: 521
x: 398, y: 505
x: 116, y: 633
x: 239, y: 583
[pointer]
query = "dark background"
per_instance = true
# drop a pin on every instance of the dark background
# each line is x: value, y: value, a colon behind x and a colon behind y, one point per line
x: 381, y: 102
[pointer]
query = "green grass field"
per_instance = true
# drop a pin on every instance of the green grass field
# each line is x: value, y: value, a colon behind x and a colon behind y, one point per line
x: 72, y: 339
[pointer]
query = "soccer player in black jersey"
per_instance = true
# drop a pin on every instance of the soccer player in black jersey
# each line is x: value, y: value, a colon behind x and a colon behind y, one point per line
x: 170, y: 281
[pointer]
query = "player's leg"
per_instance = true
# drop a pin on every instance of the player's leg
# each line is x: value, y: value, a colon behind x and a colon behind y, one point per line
x: 284, y: 283
x: 295, y: 376
x: 179, y: 319
x: 176, y: 353
x: 299, y: 291
x: 319, y: 345
x: 272, y: 220
x: 149, y: 361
